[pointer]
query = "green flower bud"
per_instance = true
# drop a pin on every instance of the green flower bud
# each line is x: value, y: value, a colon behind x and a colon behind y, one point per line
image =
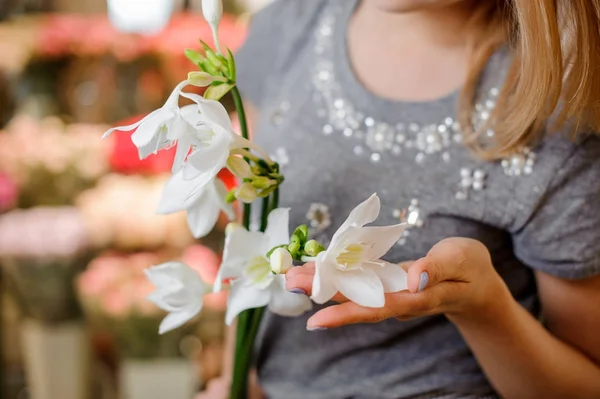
x: 203, y: 79
x: 262, y: 182
x: 302, y: 233
x: 293, y: 248
x: 215, y: 61
x: 313, y: 248
x: 246, y: 193
x: 239, y: 167
x: 217, y: 92
x: 230, y: 197
x: 231, y: 66
x: 195, y: 57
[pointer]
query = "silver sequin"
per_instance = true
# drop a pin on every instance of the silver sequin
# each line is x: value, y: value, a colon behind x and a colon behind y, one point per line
x: 412, y: 216
x: 378, y: 137
x: 520, y: 163
x: 319, y: 217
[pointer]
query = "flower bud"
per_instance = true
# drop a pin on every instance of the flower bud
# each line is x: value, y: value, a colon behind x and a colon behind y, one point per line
x: 231, y: 227
x: 203, y: 79
x: 239, y: 167
x: 213, y: 11
x: 262, y: 182
x: 281, y: 261
x: 217, y: 92
x: 195, y: 57
x: 302, y: 233
x: 293, y: 248
x: 246, y: 193
x: 313, y: 248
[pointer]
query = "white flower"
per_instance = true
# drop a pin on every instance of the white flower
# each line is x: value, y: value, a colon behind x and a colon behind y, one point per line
x: 179, y: 291
x: 352, y: 265
x: 213, y: 11
x: 152, y: 132
x: 254, y: 284
x: 202, y: 199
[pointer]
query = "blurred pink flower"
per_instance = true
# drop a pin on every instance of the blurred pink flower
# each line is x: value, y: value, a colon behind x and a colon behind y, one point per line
x: 43, y: 232
x: 206, y: 263
x: 8, y: 193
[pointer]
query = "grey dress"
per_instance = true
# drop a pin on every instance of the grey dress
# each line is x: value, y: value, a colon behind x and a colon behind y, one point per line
x: 338, y: 143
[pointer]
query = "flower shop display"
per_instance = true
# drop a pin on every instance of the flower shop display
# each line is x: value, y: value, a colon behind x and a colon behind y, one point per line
x: 120, y: 214
x: 51, y: 162
x: 254, y: 262
x: 41, y: 251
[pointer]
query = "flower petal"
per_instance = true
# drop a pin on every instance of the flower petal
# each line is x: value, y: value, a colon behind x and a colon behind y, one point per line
x: 180, y: 194
x: 211, y: 111
x: 392, y: 276
x: 278, y: 228
x: 208, y: 159
x: 150, y: 127
x: 243, y: 296
x: 128, y: 127
x: 241, y: 246
x: 285, y: 303
x: 360, y: 286
x: 202, y: 216
x: 177, y: 319
x: 377, y: 239
x: 184, y: 144
x: 365, y: 213
x: 323, y: 288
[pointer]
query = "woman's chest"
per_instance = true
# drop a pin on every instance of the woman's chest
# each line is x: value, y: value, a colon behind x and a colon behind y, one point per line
x: 421, y: 171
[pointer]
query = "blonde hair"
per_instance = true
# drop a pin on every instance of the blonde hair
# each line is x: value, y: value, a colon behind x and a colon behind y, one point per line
x: 554, y: 79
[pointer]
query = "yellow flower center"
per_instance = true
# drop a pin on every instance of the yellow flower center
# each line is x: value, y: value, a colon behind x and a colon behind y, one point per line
x: 258, y: 270
x: 350, y: 257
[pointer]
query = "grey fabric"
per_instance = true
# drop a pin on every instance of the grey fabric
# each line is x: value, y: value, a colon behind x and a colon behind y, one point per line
x: 547, y: 220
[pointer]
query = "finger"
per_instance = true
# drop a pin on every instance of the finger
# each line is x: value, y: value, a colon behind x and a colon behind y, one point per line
x: 344, y: 314
x: 402, y: 305
x: 299, y: 280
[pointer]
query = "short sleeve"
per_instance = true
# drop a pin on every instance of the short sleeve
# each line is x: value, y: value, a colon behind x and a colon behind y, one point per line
x: 562, y: 235
x: 276, y: 35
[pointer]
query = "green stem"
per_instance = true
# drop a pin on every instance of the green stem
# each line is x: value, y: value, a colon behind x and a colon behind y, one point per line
x: 239, y: 107
x: 264, y: 215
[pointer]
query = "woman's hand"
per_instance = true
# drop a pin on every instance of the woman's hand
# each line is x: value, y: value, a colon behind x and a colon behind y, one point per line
x: 456, y: 278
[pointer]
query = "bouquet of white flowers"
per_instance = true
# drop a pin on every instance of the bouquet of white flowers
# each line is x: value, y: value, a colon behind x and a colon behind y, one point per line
x: 254, y: 262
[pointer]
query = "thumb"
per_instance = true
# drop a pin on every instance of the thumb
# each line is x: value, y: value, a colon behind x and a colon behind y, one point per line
x: 426, y: 272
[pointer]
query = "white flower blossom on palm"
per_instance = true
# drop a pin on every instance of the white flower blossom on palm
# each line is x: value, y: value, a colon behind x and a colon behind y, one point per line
x: 180, y: 292
x: 352, y: 265
x: 254, y: 284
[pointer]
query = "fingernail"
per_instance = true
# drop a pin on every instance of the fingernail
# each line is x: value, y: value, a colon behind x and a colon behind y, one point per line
x: 423, y: 282
x: 316, y: 328
x: 298, y: 291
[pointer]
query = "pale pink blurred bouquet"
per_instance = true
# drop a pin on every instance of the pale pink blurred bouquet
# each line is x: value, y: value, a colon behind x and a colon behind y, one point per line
x: 41, y: 251
x: 113, y: 292
x: 51, y: 162
x: 121, y: 214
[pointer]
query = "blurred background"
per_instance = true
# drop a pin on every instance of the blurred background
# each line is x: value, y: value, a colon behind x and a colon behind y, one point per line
x: 77, y: 220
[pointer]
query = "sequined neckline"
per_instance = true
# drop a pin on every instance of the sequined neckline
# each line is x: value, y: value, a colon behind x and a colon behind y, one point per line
x: 340, y: 102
